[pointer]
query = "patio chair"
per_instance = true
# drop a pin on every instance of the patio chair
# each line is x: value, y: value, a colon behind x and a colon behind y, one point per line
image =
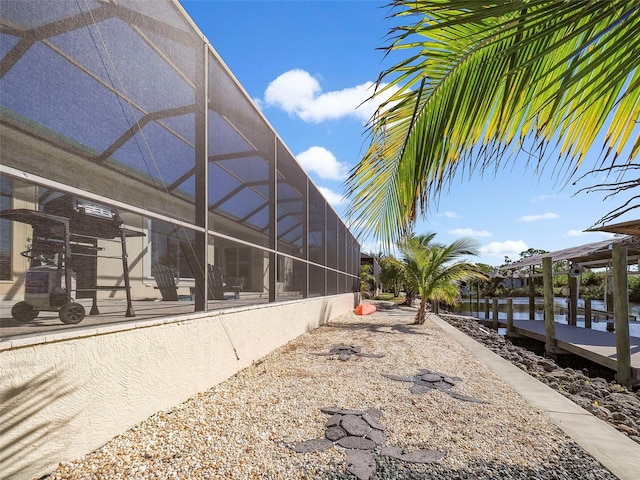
x: 217, y: 285
x: 165, y: 278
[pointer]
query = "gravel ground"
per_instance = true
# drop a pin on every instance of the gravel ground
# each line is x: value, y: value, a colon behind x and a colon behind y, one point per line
x: 239, y: 429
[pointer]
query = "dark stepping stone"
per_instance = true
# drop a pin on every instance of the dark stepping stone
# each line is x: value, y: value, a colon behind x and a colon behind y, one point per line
x: 344, y: 357
x: 334, y: 420
x: 426, y: 384
x: 378, y: 436
x: 358, y: 443
x: 399, y: 378
x: 416, y: 389
x: 334, y: 351
x: 330, y: 410
x: 452, y: 380
x: 360, y: 463
x: 335, y: 433
x: 442, y: 385
x: 374, y: 412
x: 317, y: 444
x: 351, y: 412
x: 431, y: 377
x: 418, y: 456
x: 355, y: 425
x: 462, y: 397
x: 322, y: 354
x: 373, y: 422
x: 370, y: 355
x: 356, y: 349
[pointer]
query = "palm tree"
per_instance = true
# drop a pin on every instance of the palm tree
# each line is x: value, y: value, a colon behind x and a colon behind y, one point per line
x: 435, y: 271
x: 367, y: 280
x: 391, y: 274
x: 488, y: 82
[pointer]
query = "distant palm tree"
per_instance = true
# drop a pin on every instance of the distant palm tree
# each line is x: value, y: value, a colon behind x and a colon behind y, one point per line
x: 391, y: 274
x: 484, y: 81
x: 435, y: 270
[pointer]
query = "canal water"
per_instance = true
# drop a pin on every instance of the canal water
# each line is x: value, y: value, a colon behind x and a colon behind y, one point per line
x: 474, y: 308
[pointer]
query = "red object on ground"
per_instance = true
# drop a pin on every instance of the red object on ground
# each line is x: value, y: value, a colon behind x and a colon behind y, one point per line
x: 365, y: 309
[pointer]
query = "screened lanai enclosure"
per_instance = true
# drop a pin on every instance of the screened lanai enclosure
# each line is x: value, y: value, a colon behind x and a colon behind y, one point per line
x: 138, y: 177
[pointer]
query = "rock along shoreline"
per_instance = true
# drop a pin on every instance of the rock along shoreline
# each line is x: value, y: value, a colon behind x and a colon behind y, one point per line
x: 608, y: 401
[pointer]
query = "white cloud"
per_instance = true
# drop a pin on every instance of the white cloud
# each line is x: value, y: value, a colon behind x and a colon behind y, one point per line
x: 542, y: 216
x: 469, y: 232
x: 298, y: 93
x: 332, y: 197
x: 322, y: 162
x: 542, y: 198
x: 509, y: 248
x: 450, y: 214
x: 581, y: 233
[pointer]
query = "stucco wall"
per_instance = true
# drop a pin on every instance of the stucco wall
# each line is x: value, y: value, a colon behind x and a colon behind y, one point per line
x: 64, y: 398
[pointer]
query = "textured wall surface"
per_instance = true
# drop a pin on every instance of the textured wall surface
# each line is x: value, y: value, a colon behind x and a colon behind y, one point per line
x: 65, y: 397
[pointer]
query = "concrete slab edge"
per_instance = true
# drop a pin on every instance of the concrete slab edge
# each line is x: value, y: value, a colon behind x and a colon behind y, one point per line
x: 614, y: 450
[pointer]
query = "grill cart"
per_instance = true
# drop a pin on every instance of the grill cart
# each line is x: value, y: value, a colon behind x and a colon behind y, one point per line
x: 64, y: 255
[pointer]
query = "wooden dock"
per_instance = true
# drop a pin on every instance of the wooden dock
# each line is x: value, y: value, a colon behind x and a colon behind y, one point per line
x: 594, y: 345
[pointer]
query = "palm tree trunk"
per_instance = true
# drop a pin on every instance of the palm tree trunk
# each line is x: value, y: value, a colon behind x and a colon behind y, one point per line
x: 421, y: 316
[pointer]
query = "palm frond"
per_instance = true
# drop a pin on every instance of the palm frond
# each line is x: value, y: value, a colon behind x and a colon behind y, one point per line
x: 485, y: 79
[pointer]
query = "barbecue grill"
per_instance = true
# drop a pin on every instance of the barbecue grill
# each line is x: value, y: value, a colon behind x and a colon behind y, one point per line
x: 86, y: 218
x: 64, y: 256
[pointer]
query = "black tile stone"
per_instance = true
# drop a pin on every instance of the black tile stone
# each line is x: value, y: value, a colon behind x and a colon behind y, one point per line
x: 373, y: 422
x: 374, y: 412
x: 334, y: 420
x: 431, y: 377
x: 355, y: 425
x: 361, y: 463
x: 330, y: 410
x: 359, y: 443
x: 334, y: 433
x: 378, y: 436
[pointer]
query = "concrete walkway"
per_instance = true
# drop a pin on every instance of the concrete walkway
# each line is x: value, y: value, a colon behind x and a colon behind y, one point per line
x: 618, y: 453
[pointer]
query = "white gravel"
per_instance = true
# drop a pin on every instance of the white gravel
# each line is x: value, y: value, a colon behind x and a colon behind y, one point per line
x: 239, y: 428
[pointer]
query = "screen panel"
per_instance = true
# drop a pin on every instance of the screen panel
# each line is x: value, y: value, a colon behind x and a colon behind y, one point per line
x: 292, y: 204
x: 316, y: 281
x: 241, y: 161
x: 109, y: 91
x: 290, y: 278
x: 317, y: 226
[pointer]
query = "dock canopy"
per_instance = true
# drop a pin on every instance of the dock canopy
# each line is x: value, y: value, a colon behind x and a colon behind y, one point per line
x: 631, y: 227
x: 592, y: 255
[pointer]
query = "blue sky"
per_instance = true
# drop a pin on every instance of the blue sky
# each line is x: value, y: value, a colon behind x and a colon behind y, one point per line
x: 309, y: 64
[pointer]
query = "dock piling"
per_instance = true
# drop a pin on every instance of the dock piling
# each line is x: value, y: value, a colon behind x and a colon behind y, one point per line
x: 532, y: 297
x: 549, y: 308
x: 621, y: 315
x: 572, y: 318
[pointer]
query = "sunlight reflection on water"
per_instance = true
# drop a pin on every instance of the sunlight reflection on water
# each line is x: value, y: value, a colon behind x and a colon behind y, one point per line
x: 521, y: 312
